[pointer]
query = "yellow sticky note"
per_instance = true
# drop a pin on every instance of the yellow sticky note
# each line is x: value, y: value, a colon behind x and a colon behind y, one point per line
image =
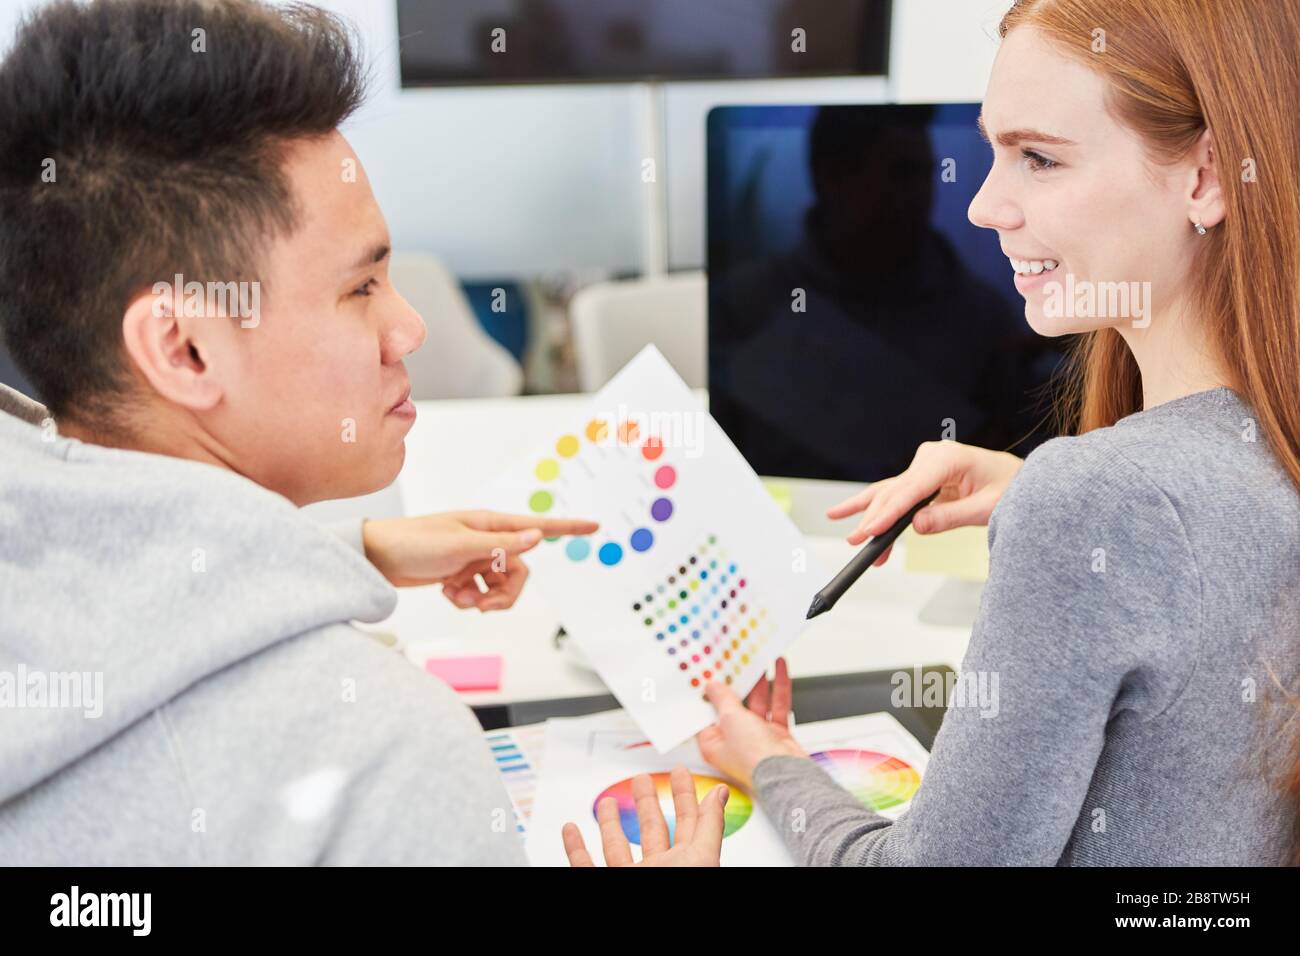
x: 959, y: 553
x: 781, y: 494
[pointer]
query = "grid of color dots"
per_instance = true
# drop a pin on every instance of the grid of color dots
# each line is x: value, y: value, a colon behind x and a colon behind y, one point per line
x: 701, y: 614
x: 877, y: 780
x: 661, y: 509
x: 737, y: 813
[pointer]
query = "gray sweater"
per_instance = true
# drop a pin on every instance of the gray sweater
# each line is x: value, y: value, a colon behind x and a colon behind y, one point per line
x: 180, y: 683
x: 1143, y: 595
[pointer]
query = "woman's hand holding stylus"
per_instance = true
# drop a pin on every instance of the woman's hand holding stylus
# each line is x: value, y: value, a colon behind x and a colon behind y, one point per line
x: 970, y: 479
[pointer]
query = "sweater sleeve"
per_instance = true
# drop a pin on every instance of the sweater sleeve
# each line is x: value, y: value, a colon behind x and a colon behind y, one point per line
x: 1091, y: 608
x: 348, y: 531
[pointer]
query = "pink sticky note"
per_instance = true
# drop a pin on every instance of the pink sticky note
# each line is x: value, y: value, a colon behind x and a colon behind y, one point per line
x: 467, y: 673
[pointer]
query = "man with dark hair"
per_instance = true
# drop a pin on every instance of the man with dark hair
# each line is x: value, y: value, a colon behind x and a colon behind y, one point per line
x: 193, y: 276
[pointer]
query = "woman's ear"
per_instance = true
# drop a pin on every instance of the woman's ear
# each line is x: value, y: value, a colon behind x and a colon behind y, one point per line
x: 1205, y: 197
x: 157, y: 338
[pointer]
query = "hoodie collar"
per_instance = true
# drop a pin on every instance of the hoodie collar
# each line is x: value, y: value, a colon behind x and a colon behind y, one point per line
x: 152, y: 572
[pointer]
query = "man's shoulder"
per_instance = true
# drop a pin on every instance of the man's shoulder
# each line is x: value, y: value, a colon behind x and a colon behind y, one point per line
x: 332, y: 746
x: 334, y: 687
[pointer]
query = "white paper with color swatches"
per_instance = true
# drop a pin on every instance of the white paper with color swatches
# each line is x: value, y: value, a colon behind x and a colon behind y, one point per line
x: 695, y: 573
x: 586, y: 758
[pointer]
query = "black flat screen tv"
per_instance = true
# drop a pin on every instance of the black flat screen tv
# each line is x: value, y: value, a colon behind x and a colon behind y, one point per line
x: 474, y: 42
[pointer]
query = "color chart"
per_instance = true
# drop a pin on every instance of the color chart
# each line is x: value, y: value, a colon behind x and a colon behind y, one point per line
x: 872, y: 756
x: 516, y: 750
x: 738, y: 810
x: 694, y: 575
x: 701, y: 615
x: 636, y: 460
x: 588, y: 758
x: 878, y: 781
x: 597, y: 756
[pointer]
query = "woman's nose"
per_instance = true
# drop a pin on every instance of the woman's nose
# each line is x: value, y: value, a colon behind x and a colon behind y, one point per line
x: 993, y: 207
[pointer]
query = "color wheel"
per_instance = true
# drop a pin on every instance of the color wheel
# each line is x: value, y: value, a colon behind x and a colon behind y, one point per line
x: 569, y: 449
x: 877, y: 780
x: 738, y: 810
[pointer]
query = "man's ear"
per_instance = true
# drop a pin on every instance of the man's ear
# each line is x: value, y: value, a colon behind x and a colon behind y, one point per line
x: 163, y: 344
x: 1204, y: 196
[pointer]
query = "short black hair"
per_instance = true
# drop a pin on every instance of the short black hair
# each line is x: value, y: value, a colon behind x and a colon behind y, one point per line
x: 162, y: 125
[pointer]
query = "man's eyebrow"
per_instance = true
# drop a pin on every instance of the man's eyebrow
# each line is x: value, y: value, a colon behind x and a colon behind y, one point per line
x: 376, y: 253
x: 1014, y: 137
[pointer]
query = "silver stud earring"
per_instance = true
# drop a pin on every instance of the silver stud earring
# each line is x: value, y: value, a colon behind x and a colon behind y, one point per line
x: 1200, y: 229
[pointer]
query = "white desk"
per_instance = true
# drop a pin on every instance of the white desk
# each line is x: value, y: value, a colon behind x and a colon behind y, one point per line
x: 456, y: 447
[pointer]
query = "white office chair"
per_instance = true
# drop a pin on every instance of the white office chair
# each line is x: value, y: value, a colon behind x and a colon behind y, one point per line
x: 458, y: 359
x: 612, y: 321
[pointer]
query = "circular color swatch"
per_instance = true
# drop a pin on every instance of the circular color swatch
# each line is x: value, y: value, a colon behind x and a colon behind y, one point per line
x: 547, y: 469
x: 737, y: 813
x: 597, y: 431
x: 665, y: 476
x: 610, y: 554
x: 541, y: 501
x: 642, y: 539
x: 567, y: 446
x: 878, y: 781
x: 577, y: 549
x: 661, y: 510
x: 652, y: 449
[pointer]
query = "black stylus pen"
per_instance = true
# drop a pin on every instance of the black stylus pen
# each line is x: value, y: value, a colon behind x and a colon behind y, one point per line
x: 825, y: 599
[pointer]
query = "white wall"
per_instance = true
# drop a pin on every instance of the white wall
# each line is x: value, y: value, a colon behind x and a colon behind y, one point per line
x: 516, y: 180
x: 943, y: 49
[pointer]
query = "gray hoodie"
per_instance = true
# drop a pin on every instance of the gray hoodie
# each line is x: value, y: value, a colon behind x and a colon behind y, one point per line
x: 180, y: 683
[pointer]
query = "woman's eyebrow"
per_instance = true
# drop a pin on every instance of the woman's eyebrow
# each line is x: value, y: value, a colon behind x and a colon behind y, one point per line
x: 1015, y: 137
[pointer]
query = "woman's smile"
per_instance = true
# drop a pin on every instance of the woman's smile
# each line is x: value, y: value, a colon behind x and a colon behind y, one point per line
x: 1032, y: 274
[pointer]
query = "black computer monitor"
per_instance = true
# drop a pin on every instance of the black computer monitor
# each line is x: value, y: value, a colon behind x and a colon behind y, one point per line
x: 854, y: 310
